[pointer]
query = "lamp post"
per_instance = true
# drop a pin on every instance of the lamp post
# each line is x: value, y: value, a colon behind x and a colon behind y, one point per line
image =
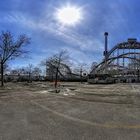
x: 106, y: 49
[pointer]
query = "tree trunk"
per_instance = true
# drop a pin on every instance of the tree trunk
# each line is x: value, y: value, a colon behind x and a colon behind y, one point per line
x: 56, y: 78
x: 2, y: 75
x: 81, y: 75
x: 29, y: 79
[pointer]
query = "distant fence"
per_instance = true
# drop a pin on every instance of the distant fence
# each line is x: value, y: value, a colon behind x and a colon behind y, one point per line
x: 22, y: 78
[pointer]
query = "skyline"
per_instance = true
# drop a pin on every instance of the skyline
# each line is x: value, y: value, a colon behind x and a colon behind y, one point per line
x: 84, y: 41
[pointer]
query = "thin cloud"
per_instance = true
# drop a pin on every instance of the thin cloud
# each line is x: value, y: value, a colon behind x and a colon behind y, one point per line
x: 66, y: 35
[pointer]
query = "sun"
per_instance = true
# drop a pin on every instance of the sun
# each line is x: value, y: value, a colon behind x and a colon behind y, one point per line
x: 69, y: 15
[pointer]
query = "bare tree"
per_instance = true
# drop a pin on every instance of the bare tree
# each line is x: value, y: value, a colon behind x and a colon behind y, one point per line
x: 28, y: 73
x: 55, y: 62
x: 37, y: 72
x: 6, y: 68
x: 10, y: 49
x: 81, y: 70
x: 29, y: 70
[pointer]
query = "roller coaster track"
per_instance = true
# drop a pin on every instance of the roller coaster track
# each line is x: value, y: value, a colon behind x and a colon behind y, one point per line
x: 121, y: 46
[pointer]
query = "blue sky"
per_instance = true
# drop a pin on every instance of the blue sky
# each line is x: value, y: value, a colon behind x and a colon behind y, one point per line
x: 84, y: 41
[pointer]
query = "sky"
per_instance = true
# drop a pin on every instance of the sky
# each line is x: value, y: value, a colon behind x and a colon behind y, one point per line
x: 84, y: 41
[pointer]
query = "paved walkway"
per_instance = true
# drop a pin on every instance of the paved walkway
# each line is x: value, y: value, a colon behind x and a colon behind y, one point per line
x: 47, y: 116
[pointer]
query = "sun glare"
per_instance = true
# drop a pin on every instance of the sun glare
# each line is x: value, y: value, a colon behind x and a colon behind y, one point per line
x: 69, y: 15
